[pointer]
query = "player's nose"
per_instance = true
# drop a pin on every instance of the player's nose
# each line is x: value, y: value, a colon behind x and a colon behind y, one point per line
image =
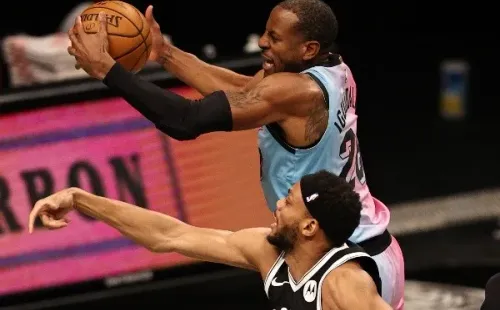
x: 263, y: 42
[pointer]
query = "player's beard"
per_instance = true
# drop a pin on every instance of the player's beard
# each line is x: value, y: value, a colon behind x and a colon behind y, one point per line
x: 285, y: 238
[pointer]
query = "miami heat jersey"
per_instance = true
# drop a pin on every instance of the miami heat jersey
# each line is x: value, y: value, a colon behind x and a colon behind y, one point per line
x: 284, y: 292
x: 337, y: 151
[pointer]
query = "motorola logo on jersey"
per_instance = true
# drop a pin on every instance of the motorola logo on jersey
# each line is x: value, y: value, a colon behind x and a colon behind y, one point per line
x: 310, y: 291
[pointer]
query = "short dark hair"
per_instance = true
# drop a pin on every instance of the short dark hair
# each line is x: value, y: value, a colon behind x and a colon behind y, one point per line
x: 333, y: 203
x: 316, y: 21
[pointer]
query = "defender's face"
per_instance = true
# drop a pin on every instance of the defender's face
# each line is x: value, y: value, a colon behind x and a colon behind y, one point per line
x: 290, y: 217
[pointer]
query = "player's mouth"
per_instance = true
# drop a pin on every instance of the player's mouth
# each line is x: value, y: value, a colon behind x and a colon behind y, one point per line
x: 268, y: 63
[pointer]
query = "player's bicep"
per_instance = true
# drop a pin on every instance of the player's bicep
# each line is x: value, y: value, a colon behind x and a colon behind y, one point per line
x: 244, y: 248
x: 253, y: 109
x: 254, y: 81
x: 273, y: 99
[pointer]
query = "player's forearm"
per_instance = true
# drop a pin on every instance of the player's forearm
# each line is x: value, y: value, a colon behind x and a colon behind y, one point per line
x: 204, y: 77
x: 148, y: 228
x: 176, y: 116
x: 159, y: 232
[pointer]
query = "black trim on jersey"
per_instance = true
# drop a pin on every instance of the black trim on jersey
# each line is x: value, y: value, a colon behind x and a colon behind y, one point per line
x: 366, y: 262
x: 370, y: 266
x: 281, y: 294
x: 277, y: 132
x: 377, y: 244
x: 323, y: 89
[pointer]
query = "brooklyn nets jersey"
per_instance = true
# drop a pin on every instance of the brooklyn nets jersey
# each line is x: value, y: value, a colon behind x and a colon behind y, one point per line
x: 286, y: 294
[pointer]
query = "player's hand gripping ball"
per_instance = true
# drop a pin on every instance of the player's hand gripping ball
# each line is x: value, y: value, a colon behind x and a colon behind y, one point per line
x: 129, y: 35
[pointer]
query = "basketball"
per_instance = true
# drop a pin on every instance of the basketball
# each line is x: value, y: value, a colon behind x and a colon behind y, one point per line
x: 129, y: 35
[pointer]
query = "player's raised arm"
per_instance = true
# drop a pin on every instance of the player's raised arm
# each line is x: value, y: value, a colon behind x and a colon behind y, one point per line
x: 158, y: 232
x: 202, y: 76
x: 274, y: 99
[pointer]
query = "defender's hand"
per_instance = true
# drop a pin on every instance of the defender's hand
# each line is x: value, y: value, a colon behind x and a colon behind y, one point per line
x: 52, y: 210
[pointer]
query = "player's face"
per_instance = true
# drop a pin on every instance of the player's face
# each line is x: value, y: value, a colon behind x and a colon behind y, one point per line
x: 283, y: 47
x: 290, y: 217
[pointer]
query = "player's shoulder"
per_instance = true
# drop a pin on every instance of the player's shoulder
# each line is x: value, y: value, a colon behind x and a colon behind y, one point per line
x: 349, y: 270
x: 347, y: 276
x: 332, y: 76
x: 350, y: 285
x: 289, y: 86
x: 292, y: 78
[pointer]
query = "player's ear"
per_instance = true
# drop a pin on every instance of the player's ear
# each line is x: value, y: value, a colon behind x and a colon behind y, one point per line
x: 310, y: 50
x: 309, y: 227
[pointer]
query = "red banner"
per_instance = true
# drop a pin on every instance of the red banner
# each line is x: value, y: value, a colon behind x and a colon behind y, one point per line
x: 107, y: 148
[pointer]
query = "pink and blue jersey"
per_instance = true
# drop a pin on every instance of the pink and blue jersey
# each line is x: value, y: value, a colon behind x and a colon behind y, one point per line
x: 337, y: 151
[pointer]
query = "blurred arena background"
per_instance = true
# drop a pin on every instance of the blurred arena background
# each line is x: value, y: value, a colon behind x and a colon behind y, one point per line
x: 428, y: 100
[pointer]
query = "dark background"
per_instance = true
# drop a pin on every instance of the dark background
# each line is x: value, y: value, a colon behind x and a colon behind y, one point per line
x: 394, y: 50
x: 409, y: 151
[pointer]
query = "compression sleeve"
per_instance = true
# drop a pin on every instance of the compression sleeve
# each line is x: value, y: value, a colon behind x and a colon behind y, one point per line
x: 174, y: 115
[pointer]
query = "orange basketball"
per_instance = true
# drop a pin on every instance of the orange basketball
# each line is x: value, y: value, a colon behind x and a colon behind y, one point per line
x: 128, y: 32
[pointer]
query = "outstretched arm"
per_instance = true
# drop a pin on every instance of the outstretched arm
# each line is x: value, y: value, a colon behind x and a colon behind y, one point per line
x: 188, y: 68
x: 351, y: 288
x: 273, y: 99
x: 158, y: 232
x: 202, y: 76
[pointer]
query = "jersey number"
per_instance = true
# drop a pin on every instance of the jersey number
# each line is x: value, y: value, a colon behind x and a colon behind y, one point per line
x: 350, y: 149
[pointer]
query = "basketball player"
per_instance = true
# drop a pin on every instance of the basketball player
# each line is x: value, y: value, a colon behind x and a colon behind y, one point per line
x: 303, y: 101
x: 304, y: 259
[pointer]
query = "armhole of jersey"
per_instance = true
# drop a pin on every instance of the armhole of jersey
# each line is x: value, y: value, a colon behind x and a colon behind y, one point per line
x: 272, y: 272
x: 316, y: 76
x: 320, y: 77
x: 273, y: 129
x: 336, y: 264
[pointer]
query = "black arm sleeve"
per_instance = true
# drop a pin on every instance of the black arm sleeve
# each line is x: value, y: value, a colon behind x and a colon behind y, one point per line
x: 176, y: 116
